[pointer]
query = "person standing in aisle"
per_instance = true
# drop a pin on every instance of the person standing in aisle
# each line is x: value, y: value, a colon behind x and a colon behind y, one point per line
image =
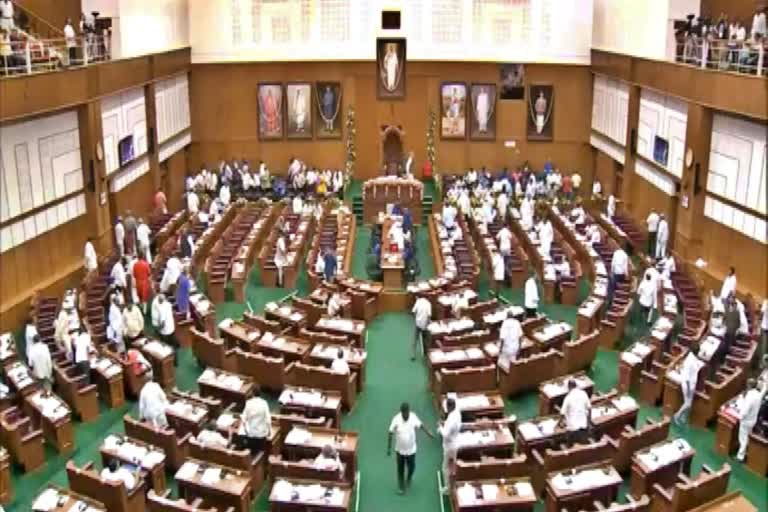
x: 403, y: 427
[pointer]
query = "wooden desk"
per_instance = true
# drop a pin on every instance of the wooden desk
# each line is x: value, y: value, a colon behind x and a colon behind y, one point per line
x: 20, y: 379
x: 731, y: 502
x: 233, y: 489
x: 308, y: 442
x: 230, y: 388
x: 492, y: 440
x: 474, y: 406
x: 553, y: 392
x: 392, y: 268
x: 502, y: 495
x: 65, y: 500
x: 312, y: 403
x: 290, y: 348
x: 52, y: 414
x: 552, y: 335
x: 186, y: 416
x: 579, y: 488
x: 6, y: 489
x: 128, y: 450
x: 239, y: 334
x: 288, y: 495
x: 286, y: 315
x: 161, y: 357
x: 349, y: 327
x: 325, y: 353
x: 726, y: 433
x: 588, y: 316
x: 660, y: 464
x: 108, y: 375
x: 632, y: 362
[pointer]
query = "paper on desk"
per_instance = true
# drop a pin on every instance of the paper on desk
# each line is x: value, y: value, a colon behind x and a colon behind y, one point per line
x: 211, y: 476
x: 523, y: 489
x: 466, y: 495
x: 298, y: 436
x: 226, y: 323
x: 490, y: 492
x: 187, y: 470
x: 225, y: 421
x: 47, y: 500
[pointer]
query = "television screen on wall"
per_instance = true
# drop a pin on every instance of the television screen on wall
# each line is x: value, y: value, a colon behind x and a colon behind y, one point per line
x: 125, y: 150
x: 660, y: 150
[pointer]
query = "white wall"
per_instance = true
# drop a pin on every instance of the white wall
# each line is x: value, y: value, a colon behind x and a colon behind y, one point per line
x: 172, y: 106
x: 737, y: 162
x: 610, y: 108
x: 40, y: 163
x: 475, y: 30
x: 151, y: 26
x: 123, y: 114
x: 631, y: 27
x: 666, y: 117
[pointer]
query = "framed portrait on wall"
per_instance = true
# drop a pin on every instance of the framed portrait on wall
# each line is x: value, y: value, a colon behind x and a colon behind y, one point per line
x: 270, y: 111
x: 390, y: 68
x: 453, y: 110
x: 482, y: 110
x: 329, y: 116
x: 512, y: 80
x: 541, y: 108
x: 298, y: 110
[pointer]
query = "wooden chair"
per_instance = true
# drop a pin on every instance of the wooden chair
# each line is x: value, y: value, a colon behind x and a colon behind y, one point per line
x: 113, y: 495
x: 312, y: 310
x: 632, y: 440
x: 263, y: 324
x: 164, y: 503
x: 212, y: 352
x: 232, y: 458
x: 727, y: 383
x: 319, y: 377
x: 363, y: 305
x: 634, y: 505
x: 81, y: 397
x: 469, y: 378
x: 579, y: 354
x: 492, y: 468
x: 23, y: 441
x: 757, y: 452
x: 175, y: 449
x: 690, y: 493
x: 268, y: 372
x: 566, y: 457
x: 527, y: 373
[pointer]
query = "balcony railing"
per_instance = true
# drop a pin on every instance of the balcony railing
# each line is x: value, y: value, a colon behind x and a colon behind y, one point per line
x: 747, y: 57
x: 25, y: 55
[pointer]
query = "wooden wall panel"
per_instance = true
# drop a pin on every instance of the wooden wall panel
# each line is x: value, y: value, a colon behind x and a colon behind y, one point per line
x: 54, y: 12
x: 174, y: 179
x: 224, y: 115
x: 605, y: 170
x: 138, y: 197
x: 642, y: 197
x: 736, y: 11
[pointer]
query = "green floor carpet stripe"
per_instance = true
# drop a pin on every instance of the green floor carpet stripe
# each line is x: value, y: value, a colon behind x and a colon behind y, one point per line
x: 391, y: 379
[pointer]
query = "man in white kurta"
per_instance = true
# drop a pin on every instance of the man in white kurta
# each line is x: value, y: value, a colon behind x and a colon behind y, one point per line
x: 256, y: 423
x: 662, y: 236
x: 576, y: 411
x: 142, y: 237
x: 120, y: 237
x: 531, y: 296
x: 729, y: 284
x: 193, y: 203
x: 689, y: 376
x: 91, y: 260
x: 281, y: 257
x: 118, y: 275
x: 152, y: 404
x: 510, y: 333
x: 646, y: 292
x: 749, y: 407
x: 40, y: 362
x: 504, y: 238
x: 422, y: 315
x: 450, y: 430
x: 653, y: 228
x: 546, y: 236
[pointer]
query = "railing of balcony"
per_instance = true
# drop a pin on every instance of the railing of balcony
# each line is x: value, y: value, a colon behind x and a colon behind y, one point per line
x: 22, y: 54
x: 747, y: 57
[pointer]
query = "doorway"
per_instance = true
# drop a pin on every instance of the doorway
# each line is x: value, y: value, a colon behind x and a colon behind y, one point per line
x: 391, y: 149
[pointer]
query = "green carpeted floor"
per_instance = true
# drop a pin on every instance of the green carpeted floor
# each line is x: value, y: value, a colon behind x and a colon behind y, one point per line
x: 391, y: 379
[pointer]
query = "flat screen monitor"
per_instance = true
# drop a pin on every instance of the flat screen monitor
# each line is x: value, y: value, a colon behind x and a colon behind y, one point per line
x: 660, y: 150
x: 125, y: 149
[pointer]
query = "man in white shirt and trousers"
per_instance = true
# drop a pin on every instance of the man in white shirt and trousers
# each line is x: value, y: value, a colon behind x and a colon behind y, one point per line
x: 510, y: 333
x: 531, y: 296
x: 653, y: 228
x: 281, y: 258
x: 422, y: 312
x: 576, y: 410
x: 689, y: 376
x: 256, y: 425
x: 662, y: 237
x: 91, y: 260
x: 152, y: 404
x: 120, y: 236
x: 450, y: 429
x: 619, y: 270
x: 749, y: 407
x: 403, y: 427
x: 40, y: 362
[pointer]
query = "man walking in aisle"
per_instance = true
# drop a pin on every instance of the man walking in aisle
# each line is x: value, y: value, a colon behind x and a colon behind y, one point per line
x: 403, y: 427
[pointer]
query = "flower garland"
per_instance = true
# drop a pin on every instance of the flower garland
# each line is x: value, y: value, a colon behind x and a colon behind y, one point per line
x: 432, y: 151
x: 351, y: 147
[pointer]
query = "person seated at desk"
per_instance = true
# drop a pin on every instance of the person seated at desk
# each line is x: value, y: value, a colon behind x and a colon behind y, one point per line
x: 396, y: 236
x: 297, y: 205
x: 576, y: 411
x: 578, y: 216
x: 340, y: 365
x: 320, y: 263
x: 334, y: 305
x: 592, y: 233
x: 210, y: 437
x: 256, y: 423
x: 138, y: 363
x: 689, y: 376
x: 562, y: 267
x: 152, y: 404
x: 396, y: 210
x: 114, y: 472
x: 328, y: 459
x: 449, y: 216
x: 471, y: 178
x: 748, y: 413
x: 407, y: 221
